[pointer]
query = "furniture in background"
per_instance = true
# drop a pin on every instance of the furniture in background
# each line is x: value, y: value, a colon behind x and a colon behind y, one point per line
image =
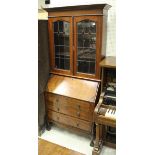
x: 105, y: 110
x: 43, y: 71
x: 76, y: 48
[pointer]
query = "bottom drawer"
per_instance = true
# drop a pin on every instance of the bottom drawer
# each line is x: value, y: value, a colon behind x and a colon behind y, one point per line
x: 68, y: 120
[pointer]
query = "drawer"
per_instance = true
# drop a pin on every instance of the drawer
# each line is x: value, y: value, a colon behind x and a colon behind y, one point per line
x: 68, y: 120
x: 74, y: 103
x: 72, y: 107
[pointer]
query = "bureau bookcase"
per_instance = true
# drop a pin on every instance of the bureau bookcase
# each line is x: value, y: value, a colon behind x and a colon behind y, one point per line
x: 77, y: 37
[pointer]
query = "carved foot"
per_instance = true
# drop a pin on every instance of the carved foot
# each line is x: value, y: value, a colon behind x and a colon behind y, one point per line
x: 92, y: 143
x: 48, y: 125
x: 96, y: 151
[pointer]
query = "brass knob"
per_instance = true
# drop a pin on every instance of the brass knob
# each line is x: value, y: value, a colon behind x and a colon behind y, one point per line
x: 78, y: 113
x: 79, y: 107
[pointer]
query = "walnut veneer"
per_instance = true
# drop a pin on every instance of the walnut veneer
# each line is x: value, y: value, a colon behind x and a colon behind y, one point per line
x: 77, y: 38
x: 71, y: 101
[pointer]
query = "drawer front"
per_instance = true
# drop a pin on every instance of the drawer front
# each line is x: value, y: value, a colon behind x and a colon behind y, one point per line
x: 71, y: 107
x: 68, y: 120
x: 74, y: 103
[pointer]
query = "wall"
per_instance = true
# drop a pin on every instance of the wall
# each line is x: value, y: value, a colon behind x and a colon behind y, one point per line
x: 111, y: 24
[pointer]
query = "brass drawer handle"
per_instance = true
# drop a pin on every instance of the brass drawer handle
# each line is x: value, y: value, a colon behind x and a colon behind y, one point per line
x: 78, y: 113
x: 79, y: 107
x: 57, y: 104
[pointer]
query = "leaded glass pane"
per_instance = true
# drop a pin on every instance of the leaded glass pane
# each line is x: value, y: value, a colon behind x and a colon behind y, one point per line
x: 86, y: 46
x: 61, y: 45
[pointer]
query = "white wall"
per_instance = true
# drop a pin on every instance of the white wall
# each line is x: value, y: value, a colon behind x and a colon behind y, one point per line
x: 111, y: 23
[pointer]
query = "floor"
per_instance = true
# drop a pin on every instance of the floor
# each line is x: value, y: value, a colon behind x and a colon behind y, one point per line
x: 73, y: 141
x: 48, y: 148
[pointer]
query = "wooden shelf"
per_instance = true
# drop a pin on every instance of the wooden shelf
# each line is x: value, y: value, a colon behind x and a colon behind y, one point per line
x: 108, y: 62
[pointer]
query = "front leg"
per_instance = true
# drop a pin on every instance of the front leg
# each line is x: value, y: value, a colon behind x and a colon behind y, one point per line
x: 96, y: 149
x: 92, y: 135
x: 48, y: 124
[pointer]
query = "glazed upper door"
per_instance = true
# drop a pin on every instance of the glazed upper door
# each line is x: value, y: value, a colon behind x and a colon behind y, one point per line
x: 61, y: 53
x: 86, y: 42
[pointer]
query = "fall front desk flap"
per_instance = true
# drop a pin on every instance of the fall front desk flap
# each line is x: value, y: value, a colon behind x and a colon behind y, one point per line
x: 72, y: 87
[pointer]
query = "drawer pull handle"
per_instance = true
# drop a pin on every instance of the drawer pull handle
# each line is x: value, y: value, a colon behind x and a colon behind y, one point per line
x: 79, y: 107
x: 77, y: 124
x: 78, y: 113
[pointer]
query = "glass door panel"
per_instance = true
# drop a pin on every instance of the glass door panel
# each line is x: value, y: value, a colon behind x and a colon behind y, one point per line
x: 62, y: 44
x: 86, y: 46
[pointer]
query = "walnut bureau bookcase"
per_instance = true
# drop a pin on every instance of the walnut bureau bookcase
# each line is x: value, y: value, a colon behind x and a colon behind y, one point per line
x: 77, y: 37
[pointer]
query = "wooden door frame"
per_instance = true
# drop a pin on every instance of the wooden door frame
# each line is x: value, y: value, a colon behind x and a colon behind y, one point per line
x: 51, y: 43
x: 98, y: 21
